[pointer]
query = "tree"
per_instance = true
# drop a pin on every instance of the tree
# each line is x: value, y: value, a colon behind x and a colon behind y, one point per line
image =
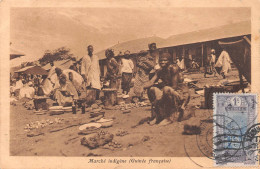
x: 61, y: 53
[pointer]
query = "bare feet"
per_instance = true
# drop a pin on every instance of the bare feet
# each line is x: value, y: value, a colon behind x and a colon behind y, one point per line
x: 165, y: 122
x: 153, y: 122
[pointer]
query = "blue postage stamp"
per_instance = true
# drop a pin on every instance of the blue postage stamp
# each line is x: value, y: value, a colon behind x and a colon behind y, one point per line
x: 235, y: 130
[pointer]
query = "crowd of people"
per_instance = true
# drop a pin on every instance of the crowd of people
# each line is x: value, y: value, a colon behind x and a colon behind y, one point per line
x: 154, y: 74
x: 25, y: 85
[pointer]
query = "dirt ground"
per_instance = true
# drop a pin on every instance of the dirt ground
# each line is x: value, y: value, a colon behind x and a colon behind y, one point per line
x: 142, y: 141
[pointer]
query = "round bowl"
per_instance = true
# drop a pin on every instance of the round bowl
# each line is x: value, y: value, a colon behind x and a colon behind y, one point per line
x: 105, y: 122
x: 84, y: 126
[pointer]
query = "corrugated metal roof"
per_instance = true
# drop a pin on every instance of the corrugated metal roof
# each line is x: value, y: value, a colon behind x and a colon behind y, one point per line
x: 225, y: 31
x: 134, y: 46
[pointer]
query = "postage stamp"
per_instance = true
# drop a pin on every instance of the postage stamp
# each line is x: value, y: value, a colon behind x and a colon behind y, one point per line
x: 235, y: 129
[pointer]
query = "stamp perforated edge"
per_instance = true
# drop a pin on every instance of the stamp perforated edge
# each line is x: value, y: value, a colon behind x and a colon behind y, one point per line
x: 257, y: 121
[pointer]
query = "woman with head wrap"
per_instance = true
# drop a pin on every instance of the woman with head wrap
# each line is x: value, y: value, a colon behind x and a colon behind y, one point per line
x: 145, y: 63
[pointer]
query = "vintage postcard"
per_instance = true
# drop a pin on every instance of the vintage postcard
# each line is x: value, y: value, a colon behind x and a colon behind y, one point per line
x: 129, y: 84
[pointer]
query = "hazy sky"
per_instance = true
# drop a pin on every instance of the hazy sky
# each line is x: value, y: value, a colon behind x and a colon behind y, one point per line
x: 142, y: 22
x: 34, y: 30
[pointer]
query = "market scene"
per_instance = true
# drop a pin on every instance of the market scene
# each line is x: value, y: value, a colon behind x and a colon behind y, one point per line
x: 130, y: 99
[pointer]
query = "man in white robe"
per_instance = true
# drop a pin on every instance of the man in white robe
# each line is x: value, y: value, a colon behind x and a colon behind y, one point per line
x: 224, y: 62
x: 90, y: 70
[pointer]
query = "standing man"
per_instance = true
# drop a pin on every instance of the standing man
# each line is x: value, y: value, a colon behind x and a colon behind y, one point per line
x: 153, y: 53
x: 224, y: 62
x: 90, y: 71
x: 212, y: 62
x: 207, y: 65
x: 127, y: 72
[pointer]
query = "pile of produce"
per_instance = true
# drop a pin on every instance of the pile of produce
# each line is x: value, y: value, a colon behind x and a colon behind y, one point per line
x: 42, y: 124
x: 122, y: 133
x: 124, y: 106
x: 99, y: 139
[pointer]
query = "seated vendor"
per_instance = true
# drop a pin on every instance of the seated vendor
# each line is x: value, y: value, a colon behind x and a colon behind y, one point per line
x: 167, y: 92
x: 27, y: 90
x: 79, y: 85
x: 66, y: 92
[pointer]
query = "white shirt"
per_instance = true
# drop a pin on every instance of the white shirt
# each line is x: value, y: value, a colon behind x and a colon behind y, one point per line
x: 26, y: 91
x: 127, y: 66
x: 18, y: 85
x: 90, y: 69
x: 213, y: 58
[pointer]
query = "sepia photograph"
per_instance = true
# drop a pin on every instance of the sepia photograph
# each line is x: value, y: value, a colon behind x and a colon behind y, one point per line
x: 120, y: 82
x: 133, y: 82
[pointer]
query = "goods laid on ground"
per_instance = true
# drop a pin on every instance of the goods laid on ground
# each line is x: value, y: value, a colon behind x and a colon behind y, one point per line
x: 114, y: 144
x: 126, y: 111
x: 42, y: 124
x: 191, y: 130
x: 99, y: 139
x: 56, y: 112
x: 121, y: 133
x: 89, y: 130
x: 124, y: 106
